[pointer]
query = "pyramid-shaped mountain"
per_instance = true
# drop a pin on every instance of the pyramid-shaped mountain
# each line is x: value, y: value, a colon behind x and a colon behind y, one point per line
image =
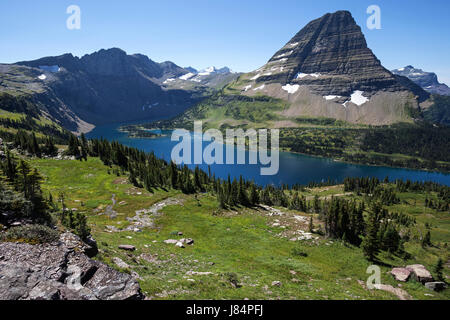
x: 327, y: 70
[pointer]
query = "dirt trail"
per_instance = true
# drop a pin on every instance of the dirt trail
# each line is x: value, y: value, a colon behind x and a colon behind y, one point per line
x: 145, y: 218
x: 109, y: 209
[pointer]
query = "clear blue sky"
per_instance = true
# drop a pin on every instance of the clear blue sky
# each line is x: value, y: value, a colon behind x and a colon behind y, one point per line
x: 242, y: 34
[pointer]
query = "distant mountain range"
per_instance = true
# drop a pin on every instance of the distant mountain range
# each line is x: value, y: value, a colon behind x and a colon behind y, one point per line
x: 210, y: 77
x: 107, y: 86
x: 427, y: 80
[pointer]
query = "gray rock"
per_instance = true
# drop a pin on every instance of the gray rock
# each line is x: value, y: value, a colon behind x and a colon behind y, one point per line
x: 276, y: 284
x: 436, y: 286
x: 120, y: 263
x: 401, y: 274
x: 171, y: 241
x: 179, y: 244
x: 420, y: 273
x: 72, y: 241
x: 127, y: 247
x: 57, y: 272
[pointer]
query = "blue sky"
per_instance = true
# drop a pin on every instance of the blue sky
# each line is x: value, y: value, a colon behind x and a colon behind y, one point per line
x: 242, y: 34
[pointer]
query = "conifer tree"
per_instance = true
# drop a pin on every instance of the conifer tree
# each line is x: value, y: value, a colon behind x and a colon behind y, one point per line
x: 370, y: 244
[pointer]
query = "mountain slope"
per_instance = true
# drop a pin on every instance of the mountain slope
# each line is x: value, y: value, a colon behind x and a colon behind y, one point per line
x: 427, y: 80
x: 325, y: 70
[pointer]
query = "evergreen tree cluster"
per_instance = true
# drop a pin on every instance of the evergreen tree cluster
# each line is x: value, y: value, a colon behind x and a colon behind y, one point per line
x: 344, y: 220
x: 34, y: 146
x: 21, y: 189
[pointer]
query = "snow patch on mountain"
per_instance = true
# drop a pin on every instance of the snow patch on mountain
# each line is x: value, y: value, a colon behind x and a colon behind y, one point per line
x: 291, y: 88
x: 331, y: 97
x: 259, y: 88
x: 256, y: 77
x: 187, y: 76
x: 169, y: 80
x: 358, y: 98
x: 301, y: 75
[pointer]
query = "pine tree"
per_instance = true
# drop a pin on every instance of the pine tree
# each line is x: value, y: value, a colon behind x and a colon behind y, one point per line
x: 438, y: 268
x: 370, y: 244
x: 391, y: 239
x: 23, y: 169
x: 254, y: 196
x: 426, y: 241
x: 311, y: 224
x: 242, y: 194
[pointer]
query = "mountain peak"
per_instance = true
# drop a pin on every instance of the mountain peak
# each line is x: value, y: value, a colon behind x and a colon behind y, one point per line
x: 329, y: 54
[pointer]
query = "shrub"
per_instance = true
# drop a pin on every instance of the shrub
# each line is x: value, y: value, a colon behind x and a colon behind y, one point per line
x: 32, y: 233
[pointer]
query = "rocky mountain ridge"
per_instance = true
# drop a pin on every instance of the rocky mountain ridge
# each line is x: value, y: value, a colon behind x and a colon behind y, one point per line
x: 426, y: 80
x: 60, y: 271
x: 106, y: 86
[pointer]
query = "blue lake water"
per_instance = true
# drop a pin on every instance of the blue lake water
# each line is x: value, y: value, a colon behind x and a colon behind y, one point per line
x: 293, y: 168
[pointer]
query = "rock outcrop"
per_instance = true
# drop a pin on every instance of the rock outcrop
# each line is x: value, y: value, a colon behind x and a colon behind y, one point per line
x: 436, y: 286
x: 426, y: 80
x: 59, y: 271
x: 401, y: 274
x: 420, y: 273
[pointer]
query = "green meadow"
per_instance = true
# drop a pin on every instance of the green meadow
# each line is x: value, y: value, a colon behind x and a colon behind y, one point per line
x: 238, y: 253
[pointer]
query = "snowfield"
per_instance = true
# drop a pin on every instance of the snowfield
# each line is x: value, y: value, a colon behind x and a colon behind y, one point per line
x: 259, y: 88
x: 358, y: 98
x: 42, y: 77
x: 301, y: 75
x: 246, y: 88
x: 291, y: 88
x: 187, y: 76
x: 169, y: 80
x: 331, y: 97
x: 284, y: 54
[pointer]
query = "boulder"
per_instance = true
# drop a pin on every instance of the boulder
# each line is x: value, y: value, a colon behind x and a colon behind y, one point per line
x: 401, y: 274
x: 276, y: 284
x: 57, y: 272
x: 127, y: 247
x: 72, y: 241
x: 420, y: 273
x: 120, y: 263
x: 171, y: 241
x: 436, y: 286
x: 179, y: 244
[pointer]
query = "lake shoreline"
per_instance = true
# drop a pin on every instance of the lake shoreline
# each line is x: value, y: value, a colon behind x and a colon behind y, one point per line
x: 286, y: 150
